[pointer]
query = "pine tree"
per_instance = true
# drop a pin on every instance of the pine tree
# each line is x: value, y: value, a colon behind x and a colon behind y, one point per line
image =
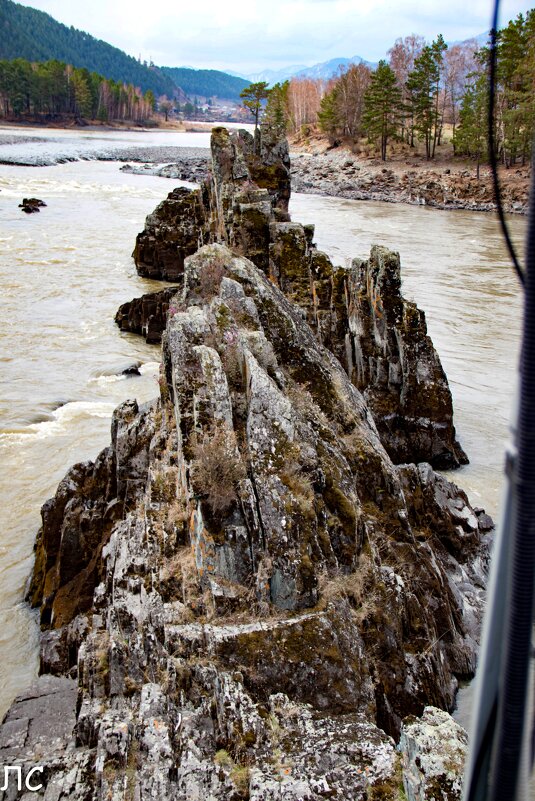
x: 329, y: 115
x: 277, y: 113
x: 423, y: 86
x: 252, y: 97
x: 472, y: 133
x: 382, y: 106
x: 83, y: 100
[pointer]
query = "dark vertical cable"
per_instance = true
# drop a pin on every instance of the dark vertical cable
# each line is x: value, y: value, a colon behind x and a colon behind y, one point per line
x: 492, y: 152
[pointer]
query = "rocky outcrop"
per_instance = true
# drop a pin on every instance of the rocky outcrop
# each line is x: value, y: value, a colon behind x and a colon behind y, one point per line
x: 358, y: 313
x: 391, y: 359
x: 30, y: 205
x: 271, y: 595
x: 147, y: 315
x: 172, y: 232
x: 244, y: 597
x: 433, y: 752
x: 77, y: 522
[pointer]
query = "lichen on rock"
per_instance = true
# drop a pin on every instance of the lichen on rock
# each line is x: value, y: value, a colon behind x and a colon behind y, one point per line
x: 358, y: 313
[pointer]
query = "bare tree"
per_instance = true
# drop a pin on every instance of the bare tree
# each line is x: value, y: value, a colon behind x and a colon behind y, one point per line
x: 304, y: 98
x: 402, y: 55
x: 459, y: 62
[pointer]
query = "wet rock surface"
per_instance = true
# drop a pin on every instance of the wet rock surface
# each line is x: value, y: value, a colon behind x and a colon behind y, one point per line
x: 146, y: 315
x: 244, y: 597
x: 30, y: 205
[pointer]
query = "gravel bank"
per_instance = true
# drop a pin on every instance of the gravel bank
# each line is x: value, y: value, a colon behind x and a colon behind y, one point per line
x: 339, y: 174
x: 16, y: 149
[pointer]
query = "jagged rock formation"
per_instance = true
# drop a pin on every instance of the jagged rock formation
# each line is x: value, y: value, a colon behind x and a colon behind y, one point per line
x: 172, y: 232
x: 243, y: 597
x: 271, y: 595
x: 358, y: 313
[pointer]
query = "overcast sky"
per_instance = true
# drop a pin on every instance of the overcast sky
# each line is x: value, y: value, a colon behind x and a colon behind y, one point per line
x: 255, y: 35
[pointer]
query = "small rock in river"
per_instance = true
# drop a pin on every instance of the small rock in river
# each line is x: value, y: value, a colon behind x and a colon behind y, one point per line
x: 31, y: 204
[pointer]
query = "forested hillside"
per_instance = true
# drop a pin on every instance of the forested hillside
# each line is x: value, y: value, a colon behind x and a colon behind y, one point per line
x: 36, y: 36
x: 206, y: 83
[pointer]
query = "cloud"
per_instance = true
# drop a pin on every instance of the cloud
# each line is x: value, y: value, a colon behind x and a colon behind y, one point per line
x: 259, y: 35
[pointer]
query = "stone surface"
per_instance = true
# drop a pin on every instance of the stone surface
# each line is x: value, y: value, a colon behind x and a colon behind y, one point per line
x: 433, y: 751
x: 266, y: 595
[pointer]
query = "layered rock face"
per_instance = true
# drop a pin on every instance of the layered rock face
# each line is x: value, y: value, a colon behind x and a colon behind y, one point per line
x: 243, y: 597
x: 271, y: 594
x: 358, y: 313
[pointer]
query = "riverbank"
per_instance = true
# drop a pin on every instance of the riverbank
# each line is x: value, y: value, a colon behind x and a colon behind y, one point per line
x: 447, y: 185
x: 340, y: 174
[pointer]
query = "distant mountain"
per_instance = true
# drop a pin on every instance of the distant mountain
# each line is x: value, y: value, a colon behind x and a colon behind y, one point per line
x: 328, y: 69
x: 482, y: 39
x: 207, y: 83
x: 276, y: 76
x: 324, y: 70
x: 36, y: 36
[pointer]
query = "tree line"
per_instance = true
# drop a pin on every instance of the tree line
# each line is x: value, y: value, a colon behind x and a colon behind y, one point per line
x: 35, y: 36
x: 53, y: 88
x: 419, y: 91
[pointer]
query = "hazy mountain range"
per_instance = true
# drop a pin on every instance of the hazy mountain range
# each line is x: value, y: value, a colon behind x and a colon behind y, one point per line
x: 324, y: 70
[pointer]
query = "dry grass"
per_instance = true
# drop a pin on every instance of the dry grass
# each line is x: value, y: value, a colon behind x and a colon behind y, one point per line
x: 217, y: 469
x: 210, y: 276
x: 356, y: 587
x: 182, y: 568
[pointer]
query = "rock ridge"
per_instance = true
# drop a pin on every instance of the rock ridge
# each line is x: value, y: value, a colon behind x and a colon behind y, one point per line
x: 244, y: 596
x: 358, y: 313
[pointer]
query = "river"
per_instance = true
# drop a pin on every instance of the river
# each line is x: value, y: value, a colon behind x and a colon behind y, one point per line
x: 65, y: 271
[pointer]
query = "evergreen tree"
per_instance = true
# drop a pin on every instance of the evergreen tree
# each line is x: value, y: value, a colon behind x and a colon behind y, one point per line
x: 150, y: 100
x: 252, y: 97
x: 382, y: 106
x: 329, y: 115
x: 83, y: 100
x: 423, y: 86
x: 472, y: 132
x: 516, y: 88
x: 277, y: 113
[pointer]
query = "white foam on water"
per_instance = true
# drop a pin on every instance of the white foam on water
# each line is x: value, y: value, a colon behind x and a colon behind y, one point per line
x: 62, y: 419
x: 107, y: 379
x: 149, y: 367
